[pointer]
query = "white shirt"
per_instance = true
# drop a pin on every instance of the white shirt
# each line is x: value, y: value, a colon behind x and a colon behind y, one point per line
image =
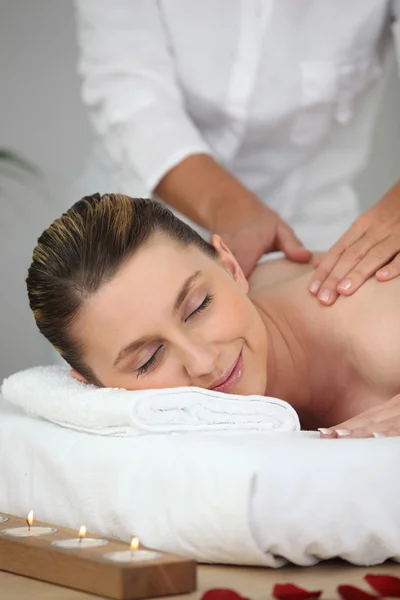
x: 283, y: 93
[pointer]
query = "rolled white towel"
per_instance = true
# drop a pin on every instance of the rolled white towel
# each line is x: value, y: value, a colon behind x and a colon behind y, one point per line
x: 52, y: 394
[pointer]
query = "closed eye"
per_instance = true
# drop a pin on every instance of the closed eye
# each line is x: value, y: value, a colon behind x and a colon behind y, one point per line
x: 152, y: 360
x: 206, y: 302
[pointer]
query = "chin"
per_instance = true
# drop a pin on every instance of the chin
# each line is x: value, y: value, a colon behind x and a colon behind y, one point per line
x: 251, y: 389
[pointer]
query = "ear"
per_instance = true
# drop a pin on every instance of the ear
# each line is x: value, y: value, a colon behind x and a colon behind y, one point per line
x: 229, y: 262
x: 78, y: 376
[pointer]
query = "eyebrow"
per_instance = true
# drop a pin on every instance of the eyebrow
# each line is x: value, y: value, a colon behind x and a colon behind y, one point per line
x: 183, y: 292
x: 185, y: 289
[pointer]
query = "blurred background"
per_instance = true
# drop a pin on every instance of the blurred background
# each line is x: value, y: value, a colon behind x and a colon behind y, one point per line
x: 43, y: 119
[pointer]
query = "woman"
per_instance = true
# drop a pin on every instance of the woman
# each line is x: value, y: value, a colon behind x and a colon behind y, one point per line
x: 132, y: 297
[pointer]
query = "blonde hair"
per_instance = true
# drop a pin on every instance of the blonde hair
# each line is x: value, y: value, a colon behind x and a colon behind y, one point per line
x: 84, y: 249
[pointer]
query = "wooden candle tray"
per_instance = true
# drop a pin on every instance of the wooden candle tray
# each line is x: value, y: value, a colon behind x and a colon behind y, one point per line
x: 87, y: 570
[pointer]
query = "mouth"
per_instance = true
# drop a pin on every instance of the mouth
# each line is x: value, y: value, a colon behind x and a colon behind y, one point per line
x: 230, y: 378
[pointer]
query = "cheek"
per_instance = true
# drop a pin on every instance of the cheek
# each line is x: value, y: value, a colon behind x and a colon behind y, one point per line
x: 234, y: 316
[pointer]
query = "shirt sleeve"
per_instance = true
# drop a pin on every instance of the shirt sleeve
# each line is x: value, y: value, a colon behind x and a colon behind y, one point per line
x: 130, y: 88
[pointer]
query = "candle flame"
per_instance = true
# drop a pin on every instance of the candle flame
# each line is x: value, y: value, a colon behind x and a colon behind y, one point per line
x: 82, y: 532
x: 29, y: 518
x: 134, y: 543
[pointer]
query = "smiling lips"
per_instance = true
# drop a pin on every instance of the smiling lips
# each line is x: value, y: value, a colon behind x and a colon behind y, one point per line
x: 230, y: 378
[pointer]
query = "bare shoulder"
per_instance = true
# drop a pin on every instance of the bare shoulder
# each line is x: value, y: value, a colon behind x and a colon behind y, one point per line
x: 367, y: 323
x: 273, y: 272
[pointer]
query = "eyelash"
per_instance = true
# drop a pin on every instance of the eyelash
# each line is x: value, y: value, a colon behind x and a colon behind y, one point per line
x: 144, y: 368
x: 206, y: 302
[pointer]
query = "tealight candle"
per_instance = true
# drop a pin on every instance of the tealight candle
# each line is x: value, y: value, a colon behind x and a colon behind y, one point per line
x: 29, y: 531
x: 3, y: 519
x: 80, y: 542
x: 133, y: 555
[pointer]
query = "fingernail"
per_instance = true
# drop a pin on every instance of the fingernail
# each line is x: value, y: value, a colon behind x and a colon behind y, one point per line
x: 325, y: 431
x: 345, y: 285
x: 384, y: 272
x: 378, y: 435
x: 343, y: 432
x: 314, y: 287
x: 324, y: 295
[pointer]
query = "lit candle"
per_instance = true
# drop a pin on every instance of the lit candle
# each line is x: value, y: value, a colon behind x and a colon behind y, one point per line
x: 81, y: 533
x: 29, y: 530
x: 134, y: 554
x: 3, y: 519
x: 134, y: 545
x: 80, y: 542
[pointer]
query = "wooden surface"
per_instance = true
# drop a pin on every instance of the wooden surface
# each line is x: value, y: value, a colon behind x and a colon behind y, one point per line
x: 254, y: 583
x: 86, y: 568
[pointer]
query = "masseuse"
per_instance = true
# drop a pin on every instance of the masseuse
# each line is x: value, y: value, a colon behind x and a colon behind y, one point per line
x: 251, y: 118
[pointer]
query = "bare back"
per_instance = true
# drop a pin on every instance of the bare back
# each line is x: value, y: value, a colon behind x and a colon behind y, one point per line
x: 354, y: 345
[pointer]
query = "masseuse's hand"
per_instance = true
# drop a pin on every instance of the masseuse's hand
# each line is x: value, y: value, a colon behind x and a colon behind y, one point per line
x: 370, y: 247
x: 380, y: 421
x: 250, y: 229
x: 203, y: 190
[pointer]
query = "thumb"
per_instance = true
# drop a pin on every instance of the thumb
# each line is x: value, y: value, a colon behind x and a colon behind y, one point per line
x: 289, y: 243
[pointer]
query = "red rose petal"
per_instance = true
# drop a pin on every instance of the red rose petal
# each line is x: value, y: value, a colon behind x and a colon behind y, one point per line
x: 221, y: 594
x: 289, y: 591
x: 350, y: 592
x: 386, y: 585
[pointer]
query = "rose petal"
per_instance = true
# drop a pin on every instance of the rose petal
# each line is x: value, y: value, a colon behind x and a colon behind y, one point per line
x: 221, y: 594
x: 386, y: 585
x: 289, y: 591
x: 350, y: 592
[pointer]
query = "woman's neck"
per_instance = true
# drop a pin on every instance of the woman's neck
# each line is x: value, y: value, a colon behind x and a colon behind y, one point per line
x: 301, y: 368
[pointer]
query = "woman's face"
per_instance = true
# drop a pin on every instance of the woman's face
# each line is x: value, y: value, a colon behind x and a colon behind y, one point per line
x: 172, y: 317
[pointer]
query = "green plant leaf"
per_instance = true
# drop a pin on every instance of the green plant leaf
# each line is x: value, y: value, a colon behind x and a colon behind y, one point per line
x: 9, y: 158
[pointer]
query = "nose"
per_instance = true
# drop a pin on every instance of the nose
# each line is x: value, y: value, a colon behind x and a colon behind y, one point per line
x: 199, y: 360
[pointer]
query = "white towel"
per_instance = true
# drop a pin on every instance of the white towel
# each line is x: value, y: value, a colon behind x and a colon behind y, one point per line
x: 52, y: 394
x: 248, y: 498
